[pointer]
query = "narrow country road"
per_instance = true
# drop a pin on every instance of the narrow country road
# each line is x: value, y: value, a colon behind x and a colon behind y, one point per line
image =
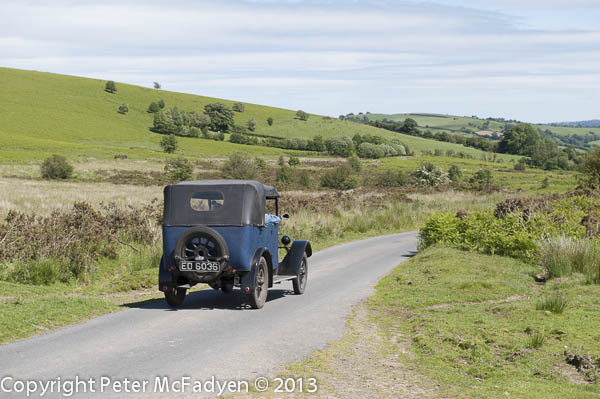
x: 214, y: 334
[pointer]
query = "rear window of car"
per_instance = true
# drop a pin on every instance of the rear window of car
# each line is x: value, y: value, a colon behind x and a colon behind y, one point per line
x: 206, y: 201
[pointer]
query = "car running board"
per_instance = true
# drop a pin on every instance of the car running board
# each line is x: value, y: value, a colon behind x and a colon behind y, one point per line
x: 279, y: 279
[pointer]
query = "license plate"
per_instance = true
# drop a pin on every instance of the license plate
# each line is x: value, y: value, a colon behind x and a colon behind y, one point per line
x: 199, y: 266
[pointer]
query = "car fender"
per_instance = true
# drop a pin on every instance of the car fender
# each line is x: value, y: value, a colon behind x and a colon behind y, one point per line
x: 247, y: 281
x: 293, y: 259
x: 164, y: 276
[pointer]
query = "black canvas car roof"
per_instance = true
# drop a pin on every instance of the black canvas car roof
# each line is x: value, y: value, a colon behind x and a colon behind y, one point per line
x: 243, y: 202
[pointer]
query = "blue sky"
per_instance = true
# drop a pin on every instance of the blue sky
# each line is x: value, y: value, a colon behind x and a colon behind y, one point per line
x: 533, y: 60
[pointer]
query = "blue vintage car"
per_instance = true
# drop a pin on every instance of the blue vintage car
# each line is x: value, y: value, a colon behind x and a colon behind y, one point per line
x: 219, y: 233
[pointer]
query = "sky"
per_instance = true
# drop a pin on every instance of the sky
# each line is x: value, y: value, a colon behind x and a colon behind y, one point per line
x: 531, y: 60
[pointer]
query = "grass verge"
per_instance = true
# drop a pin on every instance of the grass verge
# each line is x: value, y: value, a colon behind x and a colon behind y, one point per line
x: 453, y: 324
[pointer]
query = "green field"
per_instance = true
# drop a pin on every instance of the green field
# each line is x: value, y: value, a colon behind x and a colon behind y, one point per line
x: 44, y: 113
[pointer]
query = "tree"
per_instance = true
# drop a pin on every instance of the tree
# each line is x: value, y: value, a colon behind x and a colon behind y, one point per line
x: 163, y: 122
x: 520, y: 139
x: 153, y: 108
x: 410, y: 126
x: 221, y: 117
x: 110, y: 87
x: 157, y: 85
x: 179, y: 169
x: 123, y: 109
x: 303, y: 116
x: 270, y: 121
x: 56, y: 167
x: 251, y: 125
x: 169, y: 144
x: 161, y: 103
x: 590, y: 168
x: 238, y: 107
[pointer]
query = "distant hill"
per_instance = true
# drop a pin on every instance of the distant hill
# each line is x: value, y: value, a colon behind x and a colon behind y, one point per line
x: 580, y: 137
x: 590, y: 123
x: 44, y: 113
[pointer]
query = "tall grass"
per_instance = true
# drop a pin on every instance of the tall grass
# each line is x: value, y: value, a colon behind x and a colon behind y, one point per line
x: 563, y: 256
x: 555, y: 304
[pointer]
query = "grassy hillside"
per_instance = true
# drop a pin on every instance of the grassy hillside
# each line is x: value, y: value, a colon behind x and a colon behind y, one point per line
x: 44, y: 113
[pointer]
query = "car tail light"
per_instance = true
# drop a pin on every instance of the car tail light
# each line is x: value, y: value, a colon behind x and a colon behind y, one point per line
x: 247, y: 289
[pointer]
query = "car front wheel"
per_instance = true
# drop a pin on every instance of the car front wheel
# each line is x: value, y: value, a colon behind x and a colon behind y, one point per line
x: 258, y: 295
x: 299, y: 282
x: 175, y: 296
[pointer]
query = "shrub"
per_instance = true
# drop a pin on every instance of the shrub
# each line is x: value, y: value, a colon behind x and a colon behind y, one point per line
x: 56, y: 167
x: 521, y: 164
x: 179, y: 169
x: 240, y: 166
x: 304, y: 178
x: 555, y: 304
x: 110, y: 87
x: 340, y: 178
x: 392, y: 178
x: 400, y: 149
x: 455, y: 174
x: 270, y: 121
x: 389, y: 150
x: 161, y: 103
x: 238, y: 107
x: 169, y: 144
x: 243, y: 139
x: 303, y: 116
x: 123, y: 109
x: 354, y: 163
x: 281, y: 161
x: 545, y: 183
x: 369, y: 150
x: 483, y: 177
x: 251, y: 125
x: 340, y: 145
x: 260, y: 163
x: 293, y: 161
x: 80, y: 236
x: 429, y: 175
x: 284, y: 174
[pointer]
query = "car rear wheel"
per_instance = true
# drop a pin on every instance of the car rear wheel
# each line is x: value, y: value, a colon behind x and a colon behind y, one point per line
x: 175, y: 296
x: 258, y: 294
x: 299, y: 282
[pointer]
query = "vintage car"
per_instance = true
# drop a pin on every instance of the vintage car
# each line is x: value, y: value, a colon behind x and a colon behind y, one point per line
x: 219, y: 233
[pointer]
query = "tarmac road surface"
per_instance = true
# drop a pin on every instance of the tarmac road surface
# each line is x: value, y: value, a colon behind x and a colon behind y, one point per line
x: 213, y: 335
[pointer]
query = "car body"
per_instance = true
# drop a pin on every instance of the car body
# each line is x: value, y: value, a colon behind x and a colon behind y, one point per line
x: 219, y: 233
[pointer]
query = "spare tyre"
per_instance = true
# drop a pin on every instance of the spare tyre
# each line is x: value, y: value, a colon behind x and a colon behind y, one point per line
x: 198, y: 244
